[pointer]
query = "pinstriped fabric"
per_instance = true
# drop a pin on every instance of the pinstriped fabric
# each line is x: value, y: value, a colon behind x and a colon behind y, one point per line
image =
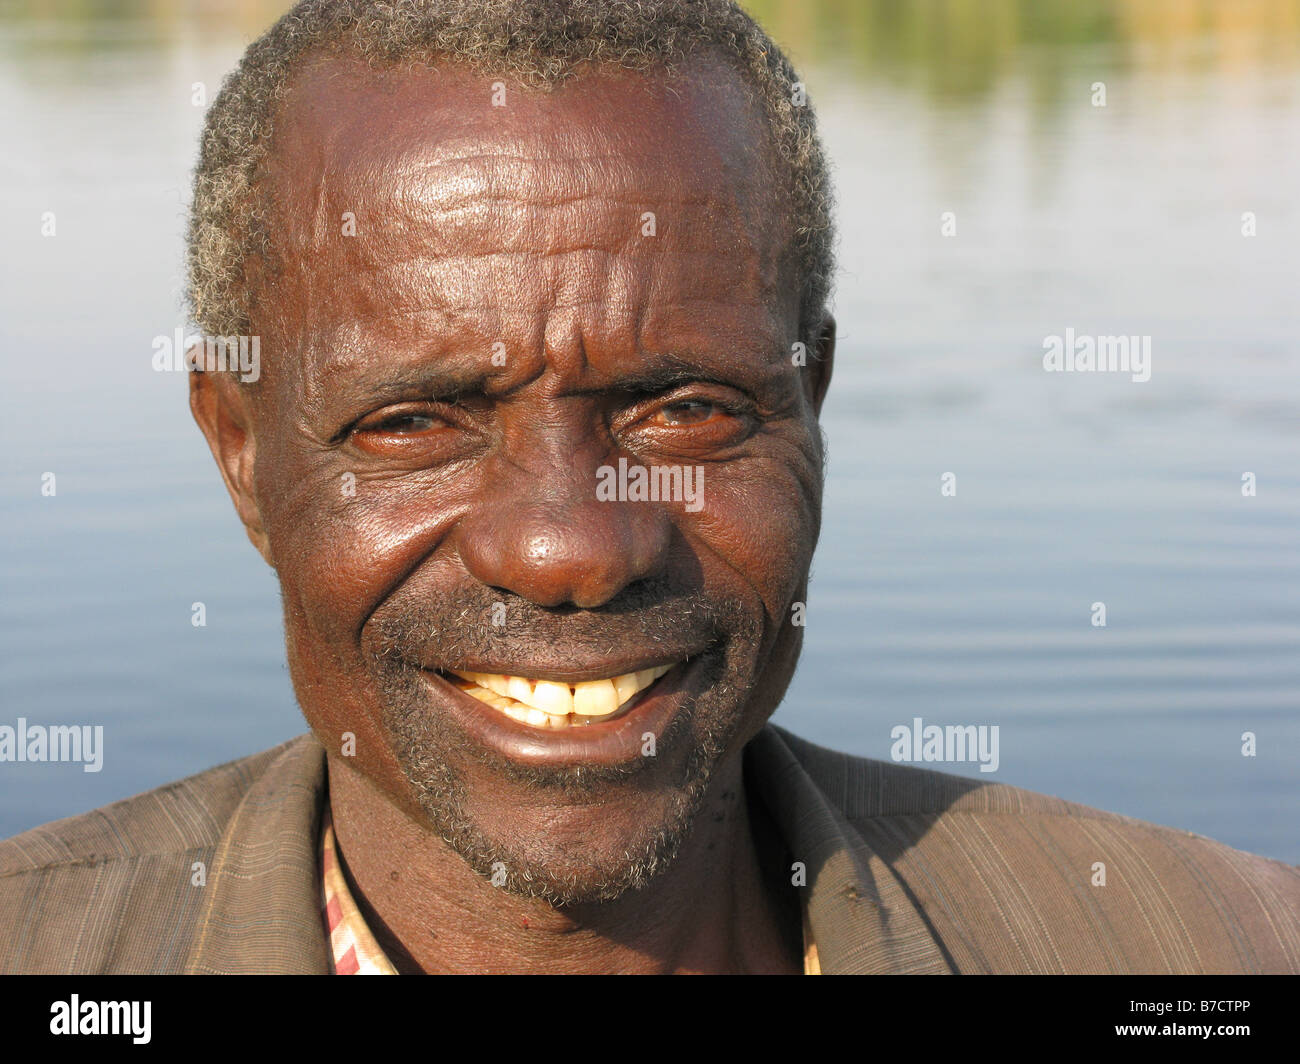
x: 112, y: 890
x: 1260, y: 907
x: 1002, y: 879
x: 860, y: 914
x: 261, y: 909
x: 908, y: 871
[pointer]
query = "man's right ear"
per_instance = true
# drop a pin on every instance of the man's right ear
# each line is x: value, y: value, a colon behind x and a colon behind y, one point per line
x: 222, y: 406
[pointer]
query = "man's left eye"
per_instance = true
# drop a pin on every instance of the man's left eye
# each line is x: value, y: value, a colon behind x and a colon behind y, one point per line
x: 404, y: 423
x: 689, y: 412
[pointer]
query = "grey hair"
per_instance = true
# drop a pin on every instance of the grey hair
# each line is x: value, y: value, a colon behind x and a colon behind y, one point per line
x: 541, y: 43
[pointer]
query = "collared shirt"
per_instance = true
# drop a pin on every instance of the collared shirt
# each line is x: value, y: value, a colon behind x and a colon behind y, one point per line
x: 353, y: 948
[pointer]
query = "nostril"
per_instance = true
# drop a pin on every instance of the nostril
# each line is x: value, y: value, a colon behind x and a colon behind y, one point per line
x: 506, y: 596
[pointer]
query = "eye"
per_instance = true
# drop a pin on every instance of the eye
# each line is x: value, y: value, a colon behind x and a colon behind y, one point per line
x: 704, y: 420
x: 403, y: 424
x: 410, y: 420
x: 414, y: 431
x: 689, y: 412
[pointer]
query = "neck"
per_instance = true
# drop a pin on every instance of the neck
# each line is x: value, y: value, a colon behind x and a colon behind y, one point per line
x: 722, y: 906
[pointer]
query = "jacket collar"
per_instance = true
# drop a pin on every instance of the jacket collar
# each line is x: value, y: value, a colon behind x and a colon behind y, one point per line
x: 862, y: 916
x: 262, y: 907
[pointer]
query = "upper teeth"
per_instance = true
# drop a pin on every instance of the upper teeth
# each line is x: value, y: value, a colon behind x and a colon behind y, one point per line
x: 550, y: 703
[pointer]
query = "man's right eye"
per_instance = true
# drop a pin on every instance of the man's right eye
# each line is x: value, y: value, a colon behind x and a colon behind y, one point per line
x: 402, y: 421
x: 413, y: 431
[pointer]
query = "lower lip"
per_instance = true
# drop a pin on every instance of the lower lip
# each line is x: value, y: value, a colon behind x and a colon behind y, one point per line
x: 612, y: 742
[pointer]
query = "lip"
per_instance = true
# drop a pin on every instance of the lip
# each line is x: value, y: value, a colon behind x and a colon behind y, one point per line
x: 563, y: 673
x: 616, y: 741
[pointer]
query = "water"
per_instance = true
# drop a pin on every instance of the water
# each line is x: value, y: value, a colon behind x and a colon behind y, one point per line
x: 970, y: 609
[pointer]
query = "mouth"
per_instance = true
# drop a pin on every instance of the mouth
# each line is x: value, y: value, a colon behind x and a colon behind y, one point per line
x: 557, y: 704
x: 551, y: 722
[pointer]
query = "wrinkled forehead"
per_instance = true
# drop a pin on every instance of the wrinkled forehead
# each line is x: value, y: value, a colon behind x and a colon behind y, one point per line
x: 418, y: 193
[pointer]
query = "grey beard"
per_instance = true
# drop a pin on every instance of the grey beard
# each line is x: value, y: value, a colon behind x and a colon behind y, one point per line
x: 420, y: 735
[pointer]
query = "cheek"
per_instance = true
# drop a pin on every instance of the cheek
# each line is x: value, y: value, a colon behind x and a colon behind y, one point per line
x: 759, y: 521
x: 341, y: 545
x: 343, y: 540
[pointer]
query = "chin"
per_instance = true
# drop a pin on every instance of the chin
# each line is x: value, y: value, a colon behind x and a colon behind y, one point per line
x: 570, y: 835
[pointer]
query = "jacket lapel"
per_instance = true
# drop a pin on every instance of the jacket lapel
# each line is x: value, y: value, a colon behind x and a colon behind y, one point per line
x: 261, y: 912
x: 862, y: 917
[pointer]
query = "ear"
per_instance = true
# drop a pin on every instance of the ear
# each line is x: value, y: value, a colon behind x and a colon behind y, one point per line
x: 822, y: 362
x: 223, y: 409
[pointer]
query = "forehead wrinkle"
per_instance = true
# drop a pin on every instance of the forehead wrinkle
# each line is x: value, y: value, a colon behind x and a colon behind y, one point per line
x: 492, y: 231
x: 553, y: 225
x: 458, y: 282
x: 450, y: 186
x: 487, y: 281
x: 455, y: 181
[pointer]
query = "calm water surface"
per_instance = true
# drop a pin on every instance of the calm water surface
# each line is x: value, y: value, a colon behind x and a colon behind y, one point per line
x: 973, y: 609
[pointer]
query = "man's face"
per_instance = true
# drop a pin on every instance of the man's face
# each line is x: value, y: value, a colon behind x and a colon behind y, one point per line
x: 479, y: 308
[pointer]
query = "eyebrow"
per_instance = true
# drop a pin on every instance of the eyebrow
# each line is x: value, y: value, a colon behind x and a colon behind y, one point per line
x: 434, y: 381
x: 666, y: 373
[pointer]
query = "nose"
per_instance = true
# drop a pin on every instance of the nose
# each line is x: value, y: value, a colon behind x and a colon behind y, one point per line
x: 545, y: 536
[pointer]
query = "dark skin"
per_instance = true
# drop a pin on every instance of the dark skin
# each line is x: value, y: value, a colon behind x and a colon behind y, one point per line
x: 524, y: 225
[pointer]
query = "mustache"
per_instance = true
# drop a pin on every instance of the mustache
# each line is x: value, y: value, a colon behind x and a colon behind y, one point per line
x: 484, y: 624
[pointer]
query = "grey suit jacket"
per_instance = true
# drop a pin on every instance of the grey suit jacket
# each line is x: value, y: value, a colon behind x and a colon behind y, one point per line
x: 908, y: 871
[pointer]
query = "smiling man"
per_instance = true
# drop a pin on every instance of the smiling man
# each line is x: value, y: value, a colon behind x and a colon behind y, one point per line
x: 535, y: 455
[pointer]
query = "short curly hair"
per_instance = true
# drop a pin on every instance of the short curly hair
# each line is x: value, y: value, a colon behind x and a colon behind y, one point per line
x: 541, y: 43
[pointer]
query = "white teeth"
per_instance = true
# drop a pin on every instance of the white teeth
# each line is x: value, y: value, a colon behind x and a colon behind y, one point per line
x: 553, y: 697
x: 555, y: 704
x: 624, y: 687
x: 595, y: 698
x: 519, y: 689
x: 491, y: 682
x: 481, y: 693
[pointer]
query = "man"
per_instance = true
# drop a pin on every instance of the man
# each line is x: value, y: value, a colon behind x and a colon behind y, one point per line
x: 534, y: 452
